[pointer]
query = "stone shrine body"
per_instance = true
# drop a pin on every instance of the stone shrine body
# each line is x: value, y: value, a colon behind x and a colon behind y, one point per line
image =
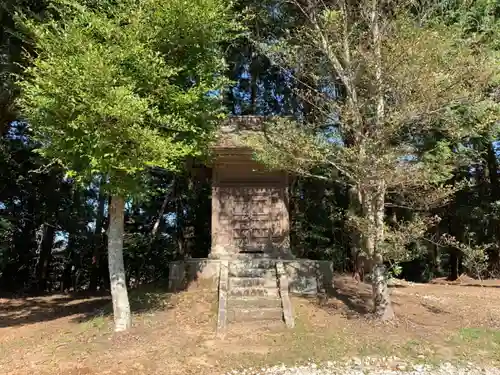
x: 249, y: 202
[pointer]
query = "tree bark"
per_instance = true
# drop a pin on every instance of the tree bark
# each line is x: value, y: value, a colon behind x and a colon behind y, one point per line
x: 357, y: 257
x: 121, y: 306
x: 47, y: 241
x: 493, y: 172
x: 158, y: 220
x: 454, y: 262
x: 373, y: 202
x: 381, y: 299
x: 97, y: 241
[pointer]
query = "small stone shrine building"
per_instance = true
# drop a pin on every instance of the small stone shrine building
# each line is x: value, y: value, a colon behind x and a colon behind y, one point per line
x: 249, y: 203
x: 250, y: 255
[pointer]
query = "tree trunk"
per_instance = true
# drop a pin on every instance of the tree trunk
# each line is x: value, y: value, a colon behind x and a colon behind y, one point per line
x: 96, y: 253
x: 121, y: 306
x: 493, y: 172
x: 453, y: 271
x: 357, y: 257
x: 253, y: 94
x: 373, y: 209
x: 47, y: 240
x: 159, y: 218
x: 494, y: 223
x: 434, y: 258
x: 66, y: 282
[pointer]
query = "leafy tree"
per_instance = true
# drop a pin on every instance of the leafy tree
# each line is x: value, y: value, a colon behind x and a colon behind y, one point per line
x: 393, y: 100
x: 115, y: 88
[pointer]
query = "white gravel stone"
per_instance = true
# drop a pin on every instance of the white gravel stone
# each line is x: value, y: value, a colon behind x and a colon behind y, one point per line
x: 358, y: 366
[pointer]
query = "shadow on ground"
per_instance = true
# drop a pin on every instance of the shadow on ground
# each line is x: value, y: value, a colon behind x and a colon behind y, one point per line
x: 80, y: 308
x: 30, y: 310
x: 350, y: 298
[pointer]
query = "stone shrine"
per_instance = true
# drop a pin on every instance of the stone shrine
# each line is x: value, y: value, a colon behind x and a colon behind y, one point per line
x: 250, y: 260
x: 249, y: 203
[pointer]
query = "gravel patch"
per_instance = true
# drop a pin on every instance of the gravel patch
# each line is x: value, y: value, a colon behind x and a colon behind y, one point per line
x: 370, y: 366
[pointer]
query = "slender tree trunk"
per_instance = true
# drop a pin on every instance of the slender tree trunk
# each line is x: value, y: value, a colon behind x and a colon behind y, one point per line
x: 97, y: 242
x: 159, y: 218
x: 355, y: 236
x: 494, y: 258
x: 48, y: 234
x: 253, y: 94
x: 179, y: 220
x: 66, y: 282
x: 121, y: 306
x: 493, y: 172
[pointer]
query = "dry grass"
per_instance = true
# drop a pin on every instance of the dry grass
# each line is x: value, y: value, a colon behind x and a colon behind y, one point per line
x: 175, y: 333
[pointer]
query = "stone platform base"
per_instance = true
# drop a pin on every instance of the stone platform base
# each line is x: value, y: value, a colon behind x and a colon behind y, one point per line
x: 305, y: 277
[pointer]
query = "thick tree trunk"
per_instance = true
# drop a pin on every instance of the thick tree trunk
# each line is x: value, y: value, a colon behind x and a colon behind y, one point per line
x: 382, y: 306
x: 121, y: 306
x: 373, y: 202
x: 381, y: 300
x: 434, y: 258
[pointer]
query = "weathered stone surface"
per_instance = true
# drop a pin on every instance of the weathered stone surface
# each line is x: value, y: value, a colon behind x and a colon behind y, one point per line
x: 302, y: 277
x: 263, y: 264
x: 285, y: 299
x: 249, y: 202
x: 252, y: 282
x: 253, y: 314
x: 249, y: 211
x: 254, y: 302
x: 252, y: 272
x: 305, y: 277
x: 254, y: 291
x: 223, y: 289
x: 183, y: 273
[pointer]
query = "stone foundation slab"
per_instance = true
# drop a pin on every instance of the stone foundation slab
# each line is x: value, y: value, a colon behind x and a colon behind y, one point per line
x: 305, y: 277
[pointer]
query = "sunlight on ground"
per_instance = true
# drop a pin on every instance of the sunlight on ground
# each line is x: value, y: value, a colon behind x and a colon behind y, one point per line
x: 175, y: 333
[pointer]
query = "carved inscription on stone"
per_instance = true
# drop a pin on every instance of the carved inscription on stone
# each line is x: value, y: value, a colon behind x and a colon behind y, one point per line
x: 250, y: 218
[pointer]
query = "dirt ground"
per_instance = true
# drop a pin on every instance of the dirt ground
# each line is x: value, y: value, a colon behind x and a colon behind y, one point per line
x: 175, y: 333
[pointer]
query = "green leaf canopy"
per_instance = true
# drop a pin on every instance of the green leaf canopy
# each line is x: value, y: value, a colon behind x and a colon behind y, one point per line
x: 115, y: 88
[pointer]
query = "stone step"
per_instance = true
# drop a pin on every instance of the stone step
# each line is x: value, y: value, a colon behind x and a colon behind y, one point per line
x: 253, y: 292
x: 238, y: 265
x: 252, y: 282
x: 254, y: 302
x: 245, y: 315
x: 252, y: 272
x: 243, y: 328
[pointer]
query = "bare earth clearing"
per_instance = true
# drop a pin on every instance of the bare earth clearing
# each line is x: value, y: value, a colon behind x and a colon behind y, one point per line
x: 175, y: 333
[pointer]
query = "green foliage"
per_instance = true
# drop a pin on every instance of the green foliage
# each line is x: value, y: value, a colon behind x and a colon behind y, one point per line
x: 475, y: 257
x: 5, y: 242
x: 116, y: 88
x: 394, y: 100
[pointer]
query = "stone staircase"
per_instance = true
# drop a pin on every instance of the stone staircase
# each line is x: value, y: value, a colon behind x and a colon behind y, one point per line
x: 252, y: 291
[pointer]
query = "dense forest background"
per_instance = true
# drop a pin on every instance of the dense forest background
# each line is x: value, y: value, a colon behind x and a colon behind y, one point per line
x: 53, y: 231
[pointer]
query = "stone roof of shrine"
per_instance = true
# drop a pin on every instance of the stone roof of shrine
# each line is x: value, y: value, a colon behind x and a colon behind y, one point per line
x: 236, y: 127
